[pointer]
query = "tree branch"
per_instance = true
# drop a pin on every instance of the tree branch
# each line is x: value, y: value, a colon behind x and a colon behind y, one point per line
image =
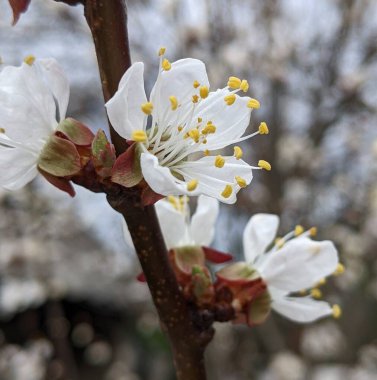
x: 187, y: 332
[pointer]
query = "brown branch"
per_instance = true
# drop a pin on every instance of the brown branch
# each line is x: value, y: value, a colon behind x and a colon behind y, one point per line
x: 189, y: 334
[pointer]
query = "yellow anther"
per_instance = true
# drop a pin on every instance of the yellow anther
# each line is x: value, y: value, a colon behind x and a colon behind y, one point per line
x: 219, y: 161
x: 195, y: 98
x: 179, y: 128
x: 263, y: 129
x: 303, y: 292
x: 147, y: 108
x: 230, y: 99
x: 173, y: 201
x: 279, y: 242
x: 194, y: 134
x: 209, y: 128
x: 161, y: 51
x: 238, y: 152
x: 166, y: 65
x: 336, y: 311
x: 2, y: 130
x: 173, y: 102
x: 244, y: 85
x: 339, y: 269
x: 234, y: 82
x: 264, y: 165
x: 227, y: 192
x: 321, y: 282
x: 204, y: 91
x: 192, y: 185
x: 29, y: 59
x: 299, y: 230
x: 316, y: 293
x: 200, y: 119
x: 313, y: 231
x: 206, y: 152
x: 253, y: 103
x: 204, y: 141
x: 196, y: 84
x: 241, y: 182
x: 139, y: 136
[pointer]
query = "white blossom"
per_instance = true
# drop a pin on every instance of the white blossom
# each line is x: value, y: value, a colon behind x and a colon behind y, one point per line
x: 33, y: 100
x: 179, y: 227
x: 188, y: 123
x: 293, y: 263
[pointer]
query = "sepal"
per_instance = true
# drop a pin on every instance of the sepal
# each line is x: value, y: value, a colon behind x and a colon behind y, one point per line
x: 103, y: 154
x: 238, y: 274
x: 62, y: 184
x: 127, y: 170
x: 59, y: 157
x: 76, y: 132
x: 201, y: 285
x: 259, y: 309
x: 215, y: 256
x: 18, y: 7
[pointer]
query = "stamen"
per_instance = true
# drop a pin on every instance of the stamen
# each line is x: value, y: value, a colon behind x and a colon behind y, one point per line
x: 238, y: 152
x: 147, y: 108
x: 263, y: 129
x: 206, y: 152
x: 196, y: 84
x: 321, y: 282
x: 173, y: 201
x: 244, y: 86
x: 162, y: 51
x: 240, y: 181
x: 339, y: 269
x: 336, y: 311
x: 179, y: 128
x: 279, y: 242
x: 194, y: 134
x: 173, y: 102
x: 253, y: 103
x: 192, y: 185
x: 299, y: 230
x: 203, y: 92
x: 195, y: 98
x: 227, y: 192
x: 313, y: 231
x: 209, y: 128
x: 200, y: 119
x: 166, y: 65
x: 2, y: 130
x: 264, y: 165
x: 234, y: 83
x: 316, y: 293
x: 29, y: 59
x: 139, y: 136
x: 230, y: 99
x: 219, y: 161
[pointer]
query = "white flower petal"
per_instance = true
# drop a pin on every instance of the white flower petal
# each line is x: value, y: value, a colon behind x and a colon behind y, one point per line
x: 178, y: 82
x: 17, y: 168
x: 230, y: 121
x: 212, y: 180
x: 259, y: 233
x: 27, y: 106
x: 57, y: 82
x: 160, y: 179
x: 172, y: 222
x: 202, y: 227
x: 300, y: 309
x: 124, y: 108
x: 300, y: 264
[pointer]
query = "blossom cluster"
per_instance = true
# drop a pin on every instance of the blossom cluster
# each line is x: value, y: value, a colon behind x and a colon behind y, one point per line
x: 173, y: 138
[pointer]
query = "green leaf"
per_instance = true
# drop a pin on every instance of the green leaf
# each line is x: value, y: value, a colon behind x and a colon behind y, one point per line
x: 127, y: 169
x: 76, y: 132
x: 59, y: 157
x: 187, y: 258
x: 240, y: 272
x: 103, y: 154
x: 259, y: 309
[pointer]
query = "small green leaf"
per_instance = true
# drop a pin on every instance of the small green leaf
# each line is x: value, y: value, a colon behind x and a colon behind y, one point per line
x: 259, y: 309
x: 59, y: 157
x: 127, y: 169
x: 76, y: 132
x: 187, y: 258
x: 103, y: 154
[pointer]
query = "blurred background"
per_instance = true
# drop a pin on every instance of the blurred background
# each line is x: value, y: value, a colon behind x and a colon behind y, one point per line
x: 70, y: 307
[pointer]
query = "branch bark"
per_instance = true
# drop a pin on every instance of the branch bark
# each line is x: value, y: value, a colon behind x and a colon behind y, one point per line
x: 188, y: 336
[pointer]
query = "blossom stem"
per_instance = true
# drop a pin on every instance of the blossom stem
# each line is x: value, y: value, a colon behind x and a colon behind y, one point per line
x: 107, y: 21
